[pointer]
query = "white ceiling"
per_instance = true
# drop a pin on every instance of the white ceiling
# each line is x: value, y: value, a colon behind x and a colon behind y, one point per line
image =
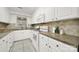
x: 28, y: 11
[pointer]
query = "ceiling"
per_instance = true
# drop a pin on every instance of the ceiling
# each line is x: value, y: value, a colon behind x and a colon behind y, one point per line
x: 28, y: 11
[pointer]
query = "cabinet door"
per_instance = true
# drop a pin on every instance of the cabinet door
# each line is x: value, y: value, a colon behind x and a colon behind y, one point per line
x: 62, y: 13
x: 48, y: 14
x: 43, y: 44
x: 34, y: 20
x: 66, y: 48
x: 35, y: 16
x: 4, y: 46
x: 53, y: 13
x: 35, y: 39
x: 74, y: 12
x: 41, y: 16
x: 53, y: 45
x: 38, y: 17
x: 57, y: 46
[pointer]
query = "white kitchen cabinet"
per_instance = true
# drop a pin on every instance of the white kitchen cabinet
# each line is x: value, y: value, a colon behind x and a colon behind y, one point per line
x: 41, y: 16
x: 3, y: 46
x: 53, y: 45
x: 47, y: 44
x: 44, y: 14
x: 35, y: 16
x: 65, y: 47
x: 4, y: 15
x: 49, y: 14
x: 38, y: 16
x: 57, y: 46
x: 6, y: 42
x: 35, y: 37
x: 9, y: 42
x: 43, y: 43
x: 34, y: 20
x: 62, y: 13
x: 53, y: 13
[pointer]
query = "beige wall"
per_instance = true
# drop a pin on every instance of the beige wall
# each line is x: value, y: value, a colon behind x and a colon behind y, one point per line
x: 70, y: 27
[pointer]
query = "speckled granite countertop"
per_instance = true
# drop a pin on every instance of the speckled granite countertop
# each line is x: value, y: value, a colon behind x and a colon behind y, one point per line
x: 68, y: 39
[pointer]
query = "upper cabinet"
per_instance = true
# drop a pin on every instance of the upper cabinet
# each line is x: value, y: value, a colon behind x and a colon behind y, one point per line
x: 42, y: 15
x: 47, y: 14
x: 62, y: 13
x: 4, y: 15
x: 38, y: 16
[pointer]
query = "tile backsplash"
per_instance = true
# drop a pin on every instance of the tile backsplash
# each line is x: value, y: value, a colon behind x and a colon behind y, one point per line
x: 70, y: 27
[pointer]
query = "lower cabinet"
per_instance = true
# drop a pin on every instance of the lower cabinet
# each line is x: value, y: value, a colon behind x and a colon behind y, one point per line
x: 43, y: 44
x: 34, y: 38
x: 47, y: 44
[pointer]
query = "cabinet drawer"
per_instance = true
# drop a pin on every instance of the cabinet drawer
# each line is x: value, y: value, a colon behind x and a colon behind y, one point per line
x: 43, y: 43
x: 66, y: 48
x: 57, y: 46
x: 53, y: 45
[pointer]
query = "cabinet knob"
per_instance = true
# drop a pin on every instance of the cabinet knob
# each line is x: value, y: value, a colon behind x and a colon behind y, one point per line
x: 57, y: 45
x: 46, y: 44
x: 56, y: 18
x: 49, y: 46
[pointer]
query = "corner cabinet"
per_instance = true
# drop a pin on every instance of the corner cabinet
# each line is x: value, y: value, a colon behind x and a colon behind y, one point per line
x: 47, y: 44
x: 38, y: 16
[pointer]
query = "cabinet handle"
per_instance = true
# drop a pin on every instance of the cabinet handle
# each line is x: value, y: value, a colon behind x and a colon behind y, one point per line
x: 3, y: 40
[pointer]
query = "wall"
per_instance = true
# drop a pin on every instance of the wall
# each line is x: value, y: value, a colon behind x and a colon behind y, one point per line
x: 70, y: 27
